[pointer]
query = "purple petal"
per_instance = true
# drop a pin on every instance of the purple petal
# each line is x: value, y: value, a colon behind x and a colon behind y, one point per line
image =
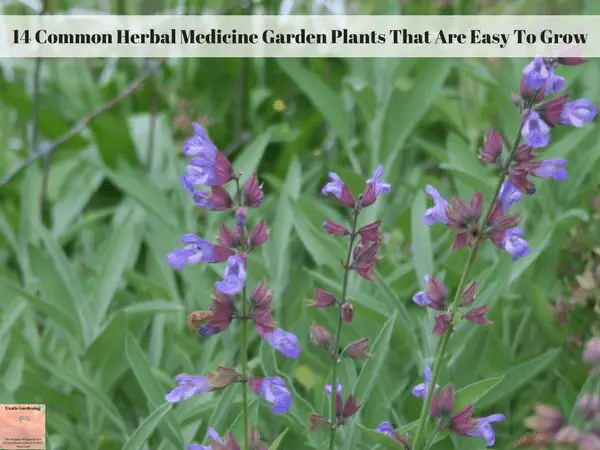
x: 421, y: 299
x: 385, y: 428
x: 333, y: 187
x: 189, y: 385
x: 536, y: 73
x: 437, y: 213
x: 577, y: 113
x: 535, y: 131
x: 284, y: 342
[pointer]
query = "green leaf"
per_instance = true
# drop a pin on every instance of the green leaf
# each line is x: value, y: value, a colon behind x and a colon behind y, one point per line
x: 405, y: 109
x: 278, y: 440
x: 421, y: 239
x: 52, y: 310
x: 76, y: 193
x: 473, y: 393
x: 368, y: 377
x: 146, y: 428
x: 136, y: 184
x: 153, y: 307
x: 92, y: 393
x: 326, y: 101
x: 147, y: 380
x: 249, y: 159
x: 519, y: 376
x: 225, y: 401
x: 113, y: 138
x: 112, y: 265
x: 70, y: 280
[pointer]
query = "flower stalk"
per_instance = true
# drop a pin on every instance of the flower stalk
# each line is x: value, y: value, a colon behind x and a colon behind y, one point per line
x: 454, y: 307
x: 335, y: 353
x: 244, y: 319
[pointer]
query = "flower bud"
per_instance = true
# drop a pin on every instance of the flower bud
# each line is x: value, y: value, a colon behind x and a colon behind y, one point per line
x: 442, y: 323
x: 229, y: 238
x: 317, y: 422
x: 260, y: 234
x: 225, y: 377
x: 334, y: 229
x: 240, y: 216
x: 442, y: 402
x: 347, y: 312
x: 351, y: 407
x: 253, y: 193
x: 571, y: 61
x: 546, y: 419
x: 591, y: 354
x: 323, y: 299
x: 476, y: 315
x: 370, y: 232
x: 552, y: 109
x: 369, y: 195
x: 358, y: 349
x: 320, y: 336
x: 568, y: 435
x: 492, y: 148
x: 469, y: 293
x: 588, y: 405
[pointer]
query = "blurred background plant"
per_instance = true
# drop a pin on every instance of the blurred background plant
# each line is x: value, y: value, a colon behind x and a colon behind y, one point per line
x: 93, y: 319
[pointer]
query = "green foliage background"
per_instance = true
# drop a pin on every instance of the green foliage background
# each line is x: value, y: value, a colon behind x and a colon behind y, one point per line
x: 93, y: 318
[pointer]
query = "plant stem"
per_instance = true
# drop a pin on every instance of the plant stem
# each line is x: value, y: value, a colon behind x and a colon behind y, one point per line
x: 439, y: 359
x: 244, y: 319
x: 245, y: 369
x: 335, y: 357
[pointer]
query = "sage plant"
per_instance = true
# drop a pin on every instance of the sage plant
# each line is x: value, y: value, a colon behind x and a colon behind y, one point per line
x: 361, y: 258
x: 541, y: 108
x: 207, y: 172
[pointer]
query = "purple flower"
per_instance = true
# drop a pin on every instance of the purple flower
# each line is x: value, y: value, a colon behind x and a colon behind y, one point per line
x: 199, y: 144
x: 552, y: 168
x: 555, y: 83
x: 213, y: 435
x: 437, y: 213
x: 483, y: 428
x: 194, y: 446
x: 381, y: 187
x: 234, y: 276
x: 420, y: 390
x: 386, y: 428
x: 338, y: 189
x: 508, y: 195
x: 434, y: 296
x: 514, y: 243
x: 535, y: 131
x: 217, y: 199
x: 421, y: 298
x: 189, y: 385
x: 338, y: 388
x: 536, y: 73
x: 577, y: 113
x: 274, y: 391
x: 209, y: 166
x: 333, y: 187
x: 196, y: 250
x: 284, y: 342
x: 374, y: 188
